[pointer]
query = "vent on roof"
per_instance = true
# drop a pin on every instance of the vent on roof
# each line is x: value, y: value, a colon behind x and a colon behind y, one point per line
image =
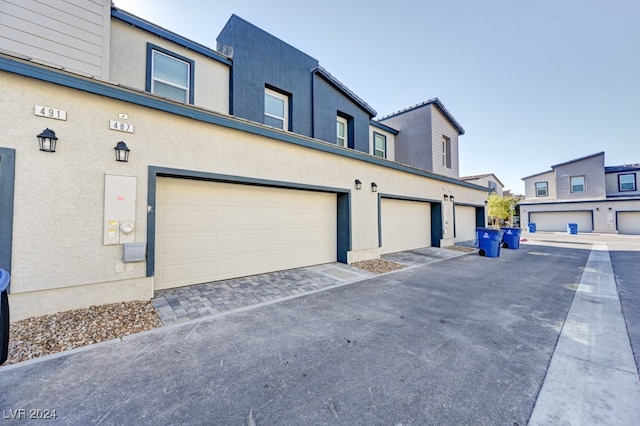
x: 225, y: 50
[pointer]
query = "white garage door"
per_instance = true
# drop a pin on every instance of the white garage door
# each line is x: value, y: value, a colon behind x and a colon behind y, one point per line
x: 208, y: 231
x: 557, y: 221
x: 465, y: 223
x: 405, y: 225
x: 629, y: 223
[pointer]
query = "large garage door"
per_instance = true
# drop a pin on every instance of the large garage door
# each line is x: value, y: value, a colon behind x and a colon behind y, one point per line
x: 629, y: 223
x: 557, y: 221
x: 465, y: 223
x: 207, y: 231
x: 405, y: 225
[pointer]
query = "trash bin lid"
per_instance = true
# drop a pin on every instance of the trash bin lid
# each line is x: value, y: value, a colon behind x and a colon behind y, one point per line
x: 5, y: 278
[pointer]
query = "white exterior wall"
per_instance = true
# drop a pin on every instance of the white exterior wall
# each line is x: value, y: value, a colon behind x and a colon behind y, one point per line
x: 58, y: 252
x: 391, y: 152
x: 440, y: 126
x: 71, y: 35
x: 129, y: 65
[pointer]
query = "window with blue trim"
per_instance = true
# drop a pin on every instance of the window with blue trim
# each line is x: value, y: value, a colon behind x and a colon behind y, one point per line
x: 276, y: 109
x: 379, y: 145
x: 542, y: 189
x: 169, y: 75
x: 627, y: 182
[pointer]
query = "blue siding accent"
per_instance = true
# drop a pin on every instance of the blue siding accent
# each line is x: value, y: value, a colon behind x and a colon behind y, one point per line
x: 168, y: 35
x: 149, y: 71
x: 436, y: 223
x: 480, y: 217
x: 142, y: 99
x: 343, y: 204
x: 7, y: 178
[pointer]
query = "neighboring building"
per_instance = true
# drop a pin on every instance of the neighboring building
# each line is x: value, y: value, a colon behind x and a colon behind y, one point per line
x: 237, y: 165
x: 489, y: 180
x: 584, y: 191
x: 427, y: 138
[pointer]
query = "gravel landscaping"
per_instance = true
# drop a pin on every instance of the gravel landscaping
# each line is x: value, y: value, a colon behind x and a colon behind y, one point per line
x: 378, y: 266
x: 38, y: 336
x: 462, y: 248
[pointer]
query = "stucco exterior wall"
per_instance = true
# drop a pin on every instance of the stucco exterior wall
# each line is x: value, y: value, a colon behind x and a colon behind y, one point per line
x: 59, y: 201
x: 530, y: 185
x: 129, y: 65
x: 413, y: 142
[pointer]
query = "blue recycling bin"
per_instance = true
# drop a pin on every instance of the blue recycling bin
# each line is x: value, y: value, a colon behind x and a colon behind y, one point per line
x: 511, y: 238
x: 4, y: 316
x: 572, y: 228
x: 489, y: 241
x: 532, y: 227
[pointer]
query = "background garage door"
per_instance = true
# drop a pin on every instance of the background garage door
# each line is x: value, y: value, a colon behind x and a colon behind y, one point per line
x: 465, y: 223
x: 629, y: 223
x: 405, y: 225
x: 557, y: 221
x: 207, y: 231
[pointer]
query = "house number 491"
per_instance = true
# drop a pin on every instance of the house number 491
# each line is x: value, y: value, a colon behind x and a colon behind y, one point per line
x: 47, y: 112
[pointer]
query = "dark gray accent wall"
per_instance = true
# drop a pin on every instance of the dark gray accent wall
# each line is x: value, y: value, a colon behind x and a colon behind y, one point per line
x: 7, y: 178
x: 413, y: 144
x: 261, y: 60
x: 328, y: 104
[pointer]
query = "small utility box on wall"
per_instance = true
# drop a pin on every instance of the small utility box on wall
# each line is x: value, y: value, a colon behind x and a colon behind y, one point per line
x: 134, y: 252
x: 119, y: 209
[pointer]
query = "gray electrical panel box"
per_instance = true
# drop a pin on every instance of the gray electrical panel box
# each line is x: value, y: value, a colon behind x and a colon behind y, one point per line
x: 134, y: 252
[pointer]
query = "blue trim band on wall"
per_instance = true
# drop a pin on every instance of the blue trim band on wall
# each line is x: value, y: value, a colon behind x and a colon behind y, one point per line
x: 138, y: 98
x: 168, y: 35
x: 343, y: 204
x: 7, y: 183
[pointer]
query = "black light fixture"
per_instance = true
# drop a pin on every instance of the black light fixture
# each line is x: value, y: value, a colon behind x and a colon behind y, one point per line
x: 358, y: 184
x: 486, y: 202
x: 374, y: 187
x: 47, y: 140
x: 446, y: 197
x: 122, y: 152
x: 451, y: 197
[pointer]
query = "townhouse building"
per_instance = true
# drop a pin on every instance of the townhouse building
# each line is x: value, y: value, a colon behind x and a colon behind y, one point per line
x: 134, y: 160
x: 585, y: 192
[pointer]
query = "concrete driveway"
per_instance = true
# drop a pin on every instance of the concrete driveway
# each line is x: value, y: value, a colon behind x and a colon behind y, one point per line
x: 467, y: 340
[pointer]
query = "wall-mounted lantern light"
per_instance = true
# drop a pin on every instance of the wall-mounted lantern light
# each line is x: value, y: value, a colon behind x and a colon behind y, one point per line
x: 122, y: 152
x: 374, y: 187
x: 358, y: 184
x: 47, y: 140
x: 446, y: 197
x: 451, y: 197
x: 486, y: 202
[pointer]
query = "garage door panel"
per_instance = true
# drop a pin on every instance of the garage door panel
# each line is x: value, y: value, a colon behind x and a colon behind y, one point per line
x: 557, y: 221
x: 243, y: 230
x: 406, y: 225
x: 629, y: 223
x: 465, y: 223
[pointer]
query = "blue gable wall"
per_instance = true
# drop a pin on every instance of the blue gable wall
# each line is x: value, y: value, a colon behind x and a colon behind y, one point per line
x: 328, y: 104
x: 260, y: 59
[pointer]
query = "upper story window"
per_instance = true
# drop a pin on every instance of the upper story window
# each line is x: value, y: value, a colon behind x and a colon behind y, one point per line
x: 446, y: 152
x: 577, y: 184
x: 169, y: 75
x: 493, y: 186
x: 342, y: 131
x: 627, y: 182
x: 276, y: 109
x: 542, y: 189
x: 379, y: 145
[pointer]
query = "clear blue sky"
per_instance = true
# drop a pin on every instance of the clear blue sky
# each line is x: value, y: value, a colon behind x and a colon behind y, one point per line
x: 533, y: 83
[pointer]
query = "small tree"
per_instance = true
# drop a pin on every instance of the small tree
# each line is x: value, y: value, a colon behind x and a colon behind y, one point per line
x: 500, y: 208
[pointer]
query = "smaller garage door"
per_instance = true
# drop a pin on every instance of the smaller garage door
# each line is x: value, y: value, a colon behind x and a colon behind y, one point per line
x: 406, y: 225
x: 557, y: 221
x: 629, y: 223
x: 465, y: 223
